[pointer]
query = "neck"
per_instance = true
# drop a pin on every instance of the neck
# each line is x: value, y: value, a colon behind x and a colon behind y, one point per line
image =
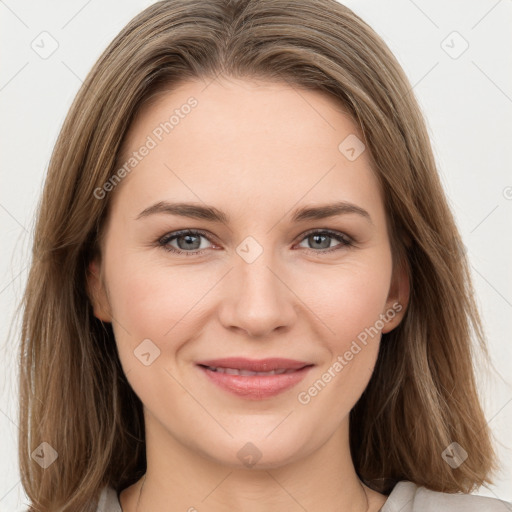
x: 180, y: 478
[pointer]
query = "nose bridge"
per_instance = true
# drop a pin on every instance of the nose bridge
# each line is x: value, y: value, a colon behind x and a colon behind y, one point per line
x: 260, y: 301
x: 257, y: 282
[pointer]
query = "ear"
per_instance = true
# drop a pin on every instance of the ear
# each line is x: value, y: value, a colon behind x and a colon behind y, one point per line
x: 398, y: 298
x: 97, y: 292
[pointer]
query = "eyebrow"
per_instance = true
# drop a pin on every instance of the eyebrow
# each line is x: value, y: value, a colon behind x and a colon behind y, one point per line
x: 212, y: 214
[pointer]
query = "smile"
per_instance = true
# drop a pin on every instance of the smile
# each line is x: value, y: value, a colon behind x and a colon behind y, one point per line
x: 252, y: 385
x: 236, y: 371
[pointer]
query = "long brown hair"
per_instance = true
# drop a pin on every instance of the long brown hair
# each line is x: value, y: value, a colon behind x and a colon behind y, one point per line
x: 73, y: 392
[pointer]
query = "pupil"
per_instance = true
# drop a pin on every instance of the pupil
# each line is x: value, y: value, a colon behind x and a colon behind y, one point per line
x: 189, y: 241
x: 316, y: 237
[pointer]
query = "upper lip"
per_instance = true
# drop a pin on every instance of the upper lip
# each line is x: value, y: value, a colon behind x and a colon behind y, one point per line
x: 255, y: 365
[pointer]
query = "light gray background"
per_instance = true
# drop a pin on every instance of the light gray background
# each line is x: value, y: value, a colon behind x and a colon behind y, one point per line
x: 466, y: 98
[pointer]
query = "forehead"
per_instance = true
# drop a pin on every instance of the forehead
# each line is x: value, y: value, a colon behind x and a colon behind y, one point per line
x: 235, y: 141
x: 235, y: 109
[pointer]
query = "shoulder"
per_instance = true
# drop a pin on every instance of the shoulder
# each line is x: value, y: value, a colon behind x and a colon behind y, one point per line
x: 409, y: 497
x: 108, y: 502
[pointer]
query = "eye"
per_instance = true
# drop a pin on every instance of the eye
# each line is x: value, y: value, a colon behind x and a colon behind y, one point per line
x: 321, y: 239
x: 186, y: 239
x: 189, y: 241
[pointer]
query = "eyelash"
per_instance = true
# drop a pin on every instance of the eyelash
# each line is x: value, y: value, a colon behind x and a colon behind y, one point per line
x: 345, y: 240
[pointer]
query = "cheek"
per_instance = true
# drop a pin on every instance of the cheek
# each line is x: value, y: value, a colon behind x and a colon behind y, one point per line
x: 349, y: 302
x: 351, y: 311
x: 359, y: 303
x: 153, y: 300
x: 156, y: 310
x: 347, y: 299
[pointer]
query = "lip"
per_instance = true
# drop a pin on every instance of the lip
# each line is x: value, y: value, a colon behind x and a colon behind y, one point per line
x: 255, y: 365
x: 256, y: 387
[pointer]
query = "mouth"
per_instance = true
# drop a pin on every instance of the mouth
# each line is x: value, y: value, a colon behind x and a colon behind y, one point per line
x: 255, y: 365
x: 248, y: 373
x: 255, y: 379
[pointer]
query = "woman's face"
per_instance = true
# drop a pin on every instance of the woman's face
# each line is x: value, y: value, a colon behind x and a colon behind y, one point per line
x: 268, y: 276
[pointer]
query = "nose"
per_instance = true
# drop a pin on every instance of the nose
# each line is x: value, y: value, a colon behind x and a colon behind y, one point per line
x: 257, y: 298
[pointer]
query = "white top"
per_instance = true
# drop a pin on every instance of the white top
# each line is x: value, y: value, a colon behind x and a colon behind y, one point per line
x: 405, y: 497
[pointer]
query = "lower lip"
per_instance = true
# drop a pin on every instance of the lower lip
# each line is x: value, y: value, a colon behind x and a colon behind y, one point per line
x: 256, y: 387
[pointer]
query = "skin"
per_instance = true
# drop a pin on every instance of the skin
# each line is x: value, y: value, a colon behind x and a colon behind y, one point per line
x: 256, y: 151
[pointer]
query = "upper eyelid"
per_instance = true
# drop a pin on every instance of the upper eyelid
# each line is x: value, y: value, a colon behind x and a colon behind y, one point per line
x: 172, y: 235
x: 183, y: 232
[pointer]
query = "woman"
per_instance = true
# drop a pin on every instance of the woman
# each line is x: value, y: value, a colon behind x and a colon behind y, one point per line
x: 186, y: 343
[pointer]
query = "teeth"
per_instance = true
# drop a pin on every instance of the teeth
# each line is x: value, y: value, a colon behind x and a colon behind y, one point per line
x: 236, y: 371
